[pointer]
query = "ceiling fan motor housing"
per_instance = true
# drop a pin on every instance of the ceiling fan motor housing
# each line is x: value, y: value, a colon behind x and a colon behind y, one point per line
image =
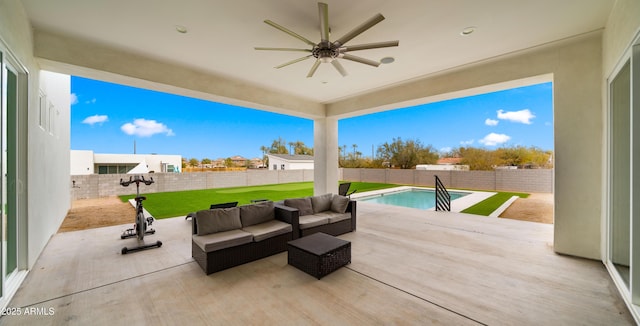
x: 325, y: 52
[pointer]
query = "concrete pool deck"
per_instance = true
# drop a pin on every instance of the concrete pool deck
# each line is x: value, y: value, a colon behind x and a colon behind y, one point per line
x: 457, y: 205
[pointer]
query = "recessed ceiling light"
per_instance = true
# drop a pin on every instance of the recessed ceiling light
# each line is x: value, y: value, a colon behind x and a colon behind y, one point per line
x: 387, y: 60
x: 468, y: 30
x: 181, y: 29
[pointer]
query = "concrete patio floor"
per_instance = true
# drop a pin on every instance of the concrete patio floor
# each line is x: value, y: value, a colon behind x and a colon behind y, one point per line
x: 408, y: 267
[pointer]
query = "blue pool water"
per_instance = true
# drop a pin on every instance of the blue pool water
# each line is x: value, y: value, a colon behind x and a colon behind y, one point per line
x: 413, y: 198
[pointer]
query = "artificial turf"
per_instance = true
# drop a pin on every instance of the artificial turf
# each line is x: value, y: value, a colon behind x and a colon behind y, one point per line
x: 492, y: 203
x: 180, y: 203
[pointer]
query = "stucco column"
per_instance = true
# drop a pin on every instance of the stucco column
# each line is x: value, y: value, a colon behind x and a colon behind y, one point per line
x: 325, y: 153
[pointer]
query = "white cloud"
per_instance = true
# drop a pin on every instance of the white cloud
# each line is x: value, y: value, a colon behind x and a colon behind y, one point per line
x: 494, y: 139
x: 91, y: 101
x: 145, y: 128
x: 445, y: 149
x: 95, y: 119
x: 74, y: 98
x: 522, y: 116
x: 491, y: 122
x: 467, y: 142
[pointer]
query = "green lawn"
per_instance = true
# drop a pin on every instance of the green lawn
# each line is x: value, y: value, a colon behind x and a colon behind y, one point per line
x: 492, y: 203
x: 170, y: 204
x: 179, y: 203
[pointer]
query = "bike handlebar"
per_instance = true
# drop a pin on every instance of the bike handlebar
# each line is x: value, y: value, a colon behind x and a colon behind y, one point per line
x: 137, y: 180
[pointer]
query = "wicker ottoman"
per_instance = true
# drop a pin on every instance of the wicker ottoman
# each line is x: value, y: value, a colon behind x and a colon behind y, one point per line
x: 319, y: 254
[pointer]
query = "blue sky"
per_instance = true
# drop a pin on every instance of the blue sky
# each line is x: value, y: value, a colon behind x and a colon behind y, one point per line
x: 107, y: 118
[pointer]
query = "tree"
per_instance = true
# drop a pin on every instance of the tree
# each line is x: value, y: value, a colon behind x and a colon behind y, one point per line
x: 265, y: 158
x: 206, y: 161
x: 477, y: 158
x: 407, y: 155
x: 299, y: 148
x: 228, y: 162
x: 194, y: 162
x: 278, y: 146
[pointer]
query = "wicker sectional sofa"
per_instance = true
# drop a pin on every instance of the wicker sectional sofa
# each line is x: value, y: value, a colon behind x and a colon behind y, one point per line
x: 329, y: 213
x: 228, y: 237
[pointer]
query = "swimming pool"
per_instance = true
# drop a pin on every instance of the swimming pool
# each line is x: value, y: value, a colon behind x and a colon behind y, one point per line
x: 413, y: 198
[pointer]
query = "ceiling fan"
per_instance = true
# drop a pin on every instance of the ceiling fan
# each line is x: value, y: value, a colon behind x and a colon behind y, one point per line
x: 326, y: 51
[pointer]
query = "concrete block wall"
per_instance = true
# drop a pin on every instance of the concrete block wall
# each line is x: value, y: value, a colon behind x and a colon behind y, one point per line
x: 105, y: 185
x: 534, y: 180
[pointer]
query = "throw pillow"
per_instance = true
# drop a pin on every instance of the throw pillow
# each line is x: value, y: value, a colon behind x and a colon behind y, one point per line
x: 302, y: 204
x: 257, y: 213
x: 321, y: 203
x: 218, y: 220
x: 339, y: 204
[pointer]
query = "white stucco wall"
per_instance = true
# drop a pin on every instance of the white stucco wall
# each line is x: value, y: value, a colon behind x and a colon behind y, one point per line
x: 289, y: 165
x: 46, y: 185
x: 81, y: 162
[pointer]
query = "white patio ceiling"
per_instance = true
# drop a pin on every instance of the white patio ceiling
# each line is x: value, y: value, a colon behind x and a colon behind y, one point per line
x: 222, y: 34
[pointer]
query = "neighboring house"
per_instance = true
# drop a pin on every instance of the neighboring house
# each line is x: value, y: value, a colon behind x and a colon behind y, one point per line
x: 450, y: 161
x: 256, y: 163
x: 445, y: 164
x: 87, y: 162
x: 290, y: 162
x: 239, y: 161
x: 442, y: 167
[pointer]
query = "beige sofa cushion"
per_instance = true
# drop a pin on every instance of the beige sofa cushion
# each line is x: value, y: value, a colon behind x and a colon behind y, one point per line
x: 302, y: 204
x: 221, y: 240
x: 268, y: 229
x: 257, y: 213
x: 339, y: 204
x: 321, y: 203
x: 309, y: 221
x: 218, y: 220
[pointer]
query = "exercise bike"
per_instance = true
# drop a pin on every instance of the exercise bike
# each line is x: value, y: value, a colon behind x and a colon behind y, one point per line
x: 141, y: 226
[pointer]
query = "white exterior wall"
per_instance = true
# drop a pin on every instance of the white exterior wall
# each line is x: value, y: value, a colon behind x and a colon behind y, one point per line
x: 81, y: 162
x: 154, y: 162
x: 273, y: 160
x: 301, y: 165
x: 289, y: 165
x: 45, y: 192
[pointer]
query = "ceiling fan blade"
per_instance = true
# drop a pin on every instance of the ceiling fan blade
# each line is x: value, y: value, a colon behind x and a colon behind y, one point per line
x: 294, y: 34
x: 314, y: 68
x: 293, y: 61
x: 370, y: 46
x: 323, y: 13
x: 360, y: 29
x: 282, y: 49
x: 339, y: 67
x: 360, y: 59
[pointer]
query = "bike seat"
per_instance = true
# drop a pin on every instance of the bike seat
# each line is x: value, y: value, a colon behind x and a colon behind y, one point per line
x: 141, y: 198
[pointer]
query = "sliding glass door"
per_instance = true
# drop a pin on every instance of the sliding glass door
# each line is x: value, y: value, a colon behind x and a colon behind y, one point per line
x: 620, y: 172
x: 623, y: 214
